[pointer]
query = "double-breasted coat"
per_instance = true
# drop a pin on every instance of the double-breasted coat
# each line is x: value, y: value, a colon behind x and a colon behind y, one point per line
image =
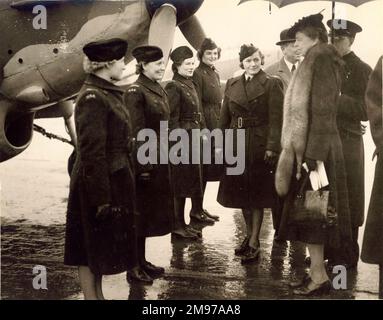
x: 148, y: 104
x: 373, y: 234
x: 256, y: 107
x: 208, y: 87
x: 102, y: 174
x: 186, y: 113
x: 351, y: 111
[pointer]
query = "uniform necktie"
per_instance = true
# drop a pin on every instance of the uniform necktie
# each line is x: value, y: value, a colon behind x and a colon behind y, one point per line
x: 293, y: 68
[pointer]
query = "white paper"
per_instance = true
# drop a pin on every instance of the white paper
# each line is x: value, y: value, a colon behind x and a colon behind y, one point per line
x: 318, y: 177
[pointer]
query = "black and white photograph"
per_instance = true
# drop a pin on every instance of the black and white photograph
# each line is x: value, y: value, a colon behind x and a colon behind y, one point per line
x: 209, y: 151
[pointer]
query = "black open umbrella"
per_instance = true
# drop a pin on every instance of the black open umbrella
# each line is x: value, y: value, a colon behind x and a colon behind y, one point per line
x: 283, y: 3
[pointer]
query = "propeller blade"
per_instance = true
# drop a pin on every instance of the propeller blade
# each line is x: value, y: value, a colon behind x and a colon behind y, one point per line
x: 193, y: 31
x: 162, y: 29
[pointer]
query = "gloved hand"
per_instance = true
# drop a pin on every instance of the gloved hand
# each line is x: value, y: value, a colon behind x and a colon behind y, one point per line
x: 271, y: 158
x: 103, y: 211
x: 311, y: 164
x: 106, y: 211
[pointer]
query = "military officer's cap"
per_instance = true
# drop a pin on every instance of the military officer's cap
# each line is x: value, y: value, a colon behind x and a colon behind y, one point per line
x: 314, y: 20
x: 284, y: 38
x: 106, y: 50
x: 147, y: 53
x: 181, y: 53
x: 246, y: 51
x: 342, y: 27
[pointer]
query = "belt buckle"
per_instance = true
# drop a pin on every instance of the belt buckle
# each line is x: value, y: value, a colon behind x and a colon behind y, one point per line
x: 239, y: 122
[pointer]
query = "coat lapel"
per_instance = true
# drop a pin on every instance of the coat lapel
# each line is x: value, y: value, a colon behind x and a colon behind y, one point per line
x: 238, y: 92
x: 255, y: 88
x: 151, y: 85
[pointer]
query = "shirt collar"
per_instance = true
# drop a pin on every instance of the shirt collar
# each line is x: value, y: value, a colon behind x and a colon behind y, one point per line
x: 289, y: 64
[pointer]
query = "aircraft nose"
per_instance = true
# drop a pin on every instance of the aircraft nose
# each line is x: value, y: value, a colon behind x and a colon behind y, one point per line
x: 185, y: 9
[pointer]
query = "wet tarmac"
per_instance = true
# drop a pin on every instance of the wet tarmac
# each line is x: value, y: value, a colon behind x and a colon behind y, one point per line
x: 33, y: 206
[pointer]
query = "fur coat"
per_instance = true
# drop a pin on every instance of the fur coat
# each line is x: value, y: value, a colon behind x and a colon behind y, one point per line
x: 310, y: 131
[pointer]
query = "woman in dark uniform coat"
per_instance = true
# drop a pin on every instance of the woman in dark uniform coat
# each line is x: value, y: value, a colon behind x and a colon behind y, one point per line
x: 185, y: 114
x: 310, y: 135
x: 208, y: 88
x: 253, y: 102
x: 100, y: 232
x: 148, y: 105
x: 372, y: 249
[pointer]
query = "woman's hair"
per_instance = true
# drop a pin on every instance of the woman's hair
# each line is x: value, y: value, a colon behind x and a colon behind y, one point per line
x: 139, y: 67
x: 201, y: 52
x: 260, y: 54
x: 94, y: 66
x: 175, y: 66
x: 315, y: 33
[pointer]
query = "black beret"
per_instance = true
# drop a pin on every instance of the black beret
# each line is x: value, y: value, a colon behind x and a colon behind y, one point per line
x: 106, y: 50
x: 181, y: 53
x: 314, y: 20
x: 246, y: 51
x: 147, y: 53
x: 344, y: 27
x: 284, y: 38
x: 207, y: 44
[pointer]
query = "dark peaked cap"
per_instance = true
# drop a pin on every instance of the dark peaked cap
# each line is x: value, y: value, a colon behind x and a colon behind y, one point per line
x: 314, y: 20
x: 351, y: 27
x: 106, y: 50
x: 181, y: 53
x: 147, y: 53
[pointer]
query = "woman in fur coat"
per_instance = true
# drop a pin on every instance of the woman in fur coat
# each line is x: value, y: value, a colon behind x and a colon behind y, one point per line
x: 310, y: 135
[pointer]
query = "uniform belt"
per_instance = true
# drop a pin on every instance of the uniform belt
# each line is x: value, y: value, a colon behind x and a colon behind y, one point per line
x: 193, y: 116
x: 247, y: 122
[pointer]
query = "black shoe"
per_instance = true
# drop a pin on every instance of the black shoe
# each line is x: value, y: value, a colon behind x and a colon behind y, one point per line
x: 251, y: 255
x: 184, y: 234
x: 299, y: 283
x: 211, y: 216
x: 242, y: 249
x: 195, y: 231
x: 201, y: 217
x: 138, y: 275
x: 321, y: 289
x: 152, y: 270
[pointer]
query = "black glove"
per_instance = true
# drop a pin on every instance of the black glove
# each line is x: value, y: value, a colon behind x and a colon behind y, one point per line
x: 311, y: 164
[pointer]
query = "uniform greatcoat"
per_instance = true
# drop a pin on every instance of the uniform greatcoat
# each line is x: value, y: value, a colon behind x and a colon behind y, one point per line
x: 208, y: 87
x: 373, y: 234
x: 186, y: 113
x: 102, y: 174
x: 352, y: 110
x: 148, y: 105
x: 256, y: 107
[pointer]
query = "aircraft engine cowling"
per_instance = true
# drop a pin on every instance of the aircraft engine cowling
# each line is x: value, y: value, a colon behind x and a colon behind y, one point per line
x: 16, y: 130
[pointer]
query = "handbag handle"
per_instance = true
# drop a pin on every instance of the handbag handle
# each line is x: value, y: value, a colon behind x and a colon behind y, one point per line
x: 300, y: 193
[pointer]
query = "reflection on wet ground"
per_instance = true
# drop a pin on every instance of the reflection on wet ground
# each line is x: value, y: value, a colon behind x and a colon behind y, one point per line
x: 202, y: 269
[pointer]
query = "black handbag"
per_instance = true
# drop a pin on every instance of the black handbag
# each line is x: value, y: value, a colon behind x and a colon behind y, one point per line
x: 310, y: 207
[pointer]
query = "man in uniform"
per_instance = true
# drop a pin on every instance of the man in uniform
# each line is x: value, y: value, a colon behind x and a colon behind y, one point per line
x: 351, y: 111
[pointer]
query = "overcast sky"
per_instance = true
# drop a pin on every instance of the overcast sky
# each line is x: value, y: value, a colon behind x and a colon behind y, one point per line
x: 231, y: 25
